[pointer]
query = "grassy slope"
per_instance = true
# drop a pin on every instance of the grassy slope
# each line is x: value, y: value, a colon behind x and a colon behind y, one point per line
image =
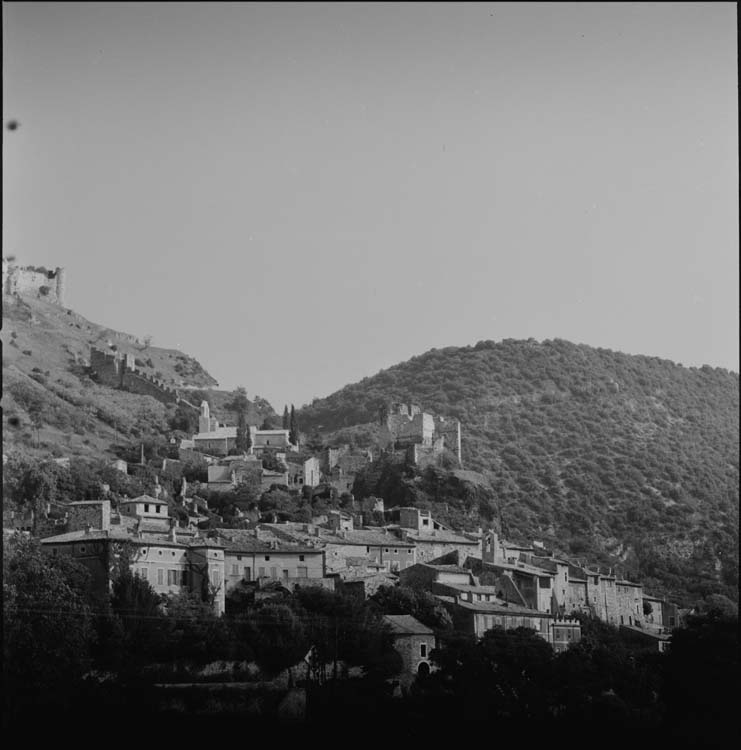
x: 597, y: 452
x: 79, y: 416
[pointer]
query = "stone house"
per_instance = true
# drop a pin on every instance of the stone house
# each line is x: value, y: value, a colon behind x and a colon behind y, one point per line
x: 384, y: 549
x: 651, y: 640
x: 272, y: 440
x: 303, y: 472
x: 172, y: 560
x: 476, y: 616
x: 432, y: 539
x: 414, y: 642
x: 435, y: 578
x: 147, y: 508
x: 249, y: 558
x: 662, y: 616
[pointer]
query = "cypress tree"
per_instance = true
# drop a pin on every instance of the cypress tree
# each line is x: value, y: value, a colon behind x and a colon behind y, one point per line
x: 293, y: 428
x: 285, y: 417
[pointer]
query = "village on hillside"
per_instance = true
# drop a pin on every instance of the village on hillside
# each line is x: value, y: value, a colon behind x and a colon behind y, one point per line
x: 181, y: 542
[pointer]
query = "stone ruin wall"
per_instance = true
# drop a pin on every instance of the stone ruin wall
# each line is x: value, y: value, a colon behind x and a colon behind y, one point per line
x: 27, y: 281
x: 119, y: 371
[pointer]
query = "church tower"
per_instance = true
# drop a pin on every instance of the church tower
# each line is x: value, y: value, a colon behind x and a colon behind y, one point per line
x: 204, y: 419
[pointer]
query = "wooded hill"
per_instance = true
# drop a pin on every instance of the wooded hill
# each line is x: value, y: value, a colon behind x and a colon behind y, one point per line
x: 630, y: 460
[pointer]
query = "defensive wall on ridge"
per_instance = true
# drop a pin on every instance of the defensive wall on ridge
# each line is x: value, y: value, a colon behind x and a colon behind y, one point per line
x: 119, y: 371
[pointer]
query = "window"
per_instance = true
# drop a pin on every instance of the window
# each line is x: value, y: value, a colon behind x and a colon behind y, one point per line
x: 215, y: 580
x: 285, y: 574
x: 386, y: 549
x: 367, y: 549
x: 144, y: 573
x: 239, y: 557
x: 261, y: 572
x: 267, y: 557
x: 172, y: 553
x: 423, y: 650
x: 235, y: 570
x: 409, y: 552
x: 301, y: 558
x: 247, y: 574
x: 82, y: 549
x: 183, y: 577
x: 302, y: 572
x: 425, y: 522
x: 172, y: 577
x: 146, y: 507
x: 622, y: 620
x: 396, y: 551
x: 159, y: 552
x: 160, y: 576
x: 273, y: 572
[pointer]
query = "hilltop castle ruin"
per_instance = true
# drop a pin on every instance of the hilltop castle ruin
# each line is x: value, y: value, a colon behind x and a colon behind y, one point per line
x: 424, y: 436
x: 32, y: 280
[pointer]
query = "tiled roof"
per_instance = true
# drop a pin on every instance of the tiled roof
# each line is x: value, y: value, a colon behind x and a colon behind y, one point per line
x: 185, y: 538
x: 522, y: 567
x: 469, y: 587
x: 218, y: 434
x: 236, y: 540
x: 446, y: 568
x: 359, y: 537
x: 649, y: 633
x: 501, y: 608
x: 440, y: 537
x: 373, y: 538
x: 407, y: 625
x: 142, y: 499
x: 82, y: 536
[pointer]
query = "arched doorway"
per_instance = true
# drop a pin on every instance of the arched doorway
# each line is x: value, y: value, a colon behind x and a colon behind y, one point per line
x: 423, y: 670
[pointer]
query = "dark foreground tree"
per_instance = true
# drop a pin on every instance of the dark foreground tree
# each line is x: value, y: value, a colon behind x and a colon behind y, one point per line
x: 47, y: 629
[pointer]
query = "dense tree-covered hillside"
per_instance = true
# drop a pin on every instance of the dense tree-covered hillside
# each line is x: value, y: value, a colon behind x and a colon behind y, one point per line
x: 630, y: 458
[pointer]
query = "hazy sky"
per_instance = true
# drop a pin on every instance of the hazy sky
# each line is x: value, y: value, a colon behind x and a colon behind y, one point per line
x: 302, y: 194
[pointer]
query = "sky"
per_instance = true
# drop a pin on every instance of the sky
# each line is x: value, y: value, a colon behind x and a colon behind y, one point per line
x: 300, y: 195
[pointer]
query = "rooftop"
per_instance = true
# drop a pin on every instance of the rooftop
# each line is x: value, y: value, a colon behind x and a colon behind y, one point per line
x: 522, y: 567
x: 240, y: 540
x: 440, y: 536
x: 407, y: 625
x: 220, y: 433
x: 142, y: 499
x: 502, y: 608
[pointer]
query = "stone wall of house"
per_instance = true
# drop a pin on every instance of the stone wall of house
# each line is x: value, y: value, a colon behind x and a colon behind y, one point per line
x: 629, y: 600
x: 409, y: 648
x: 80, y: 516
x: 430, y: 549
x: 576, y: 596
